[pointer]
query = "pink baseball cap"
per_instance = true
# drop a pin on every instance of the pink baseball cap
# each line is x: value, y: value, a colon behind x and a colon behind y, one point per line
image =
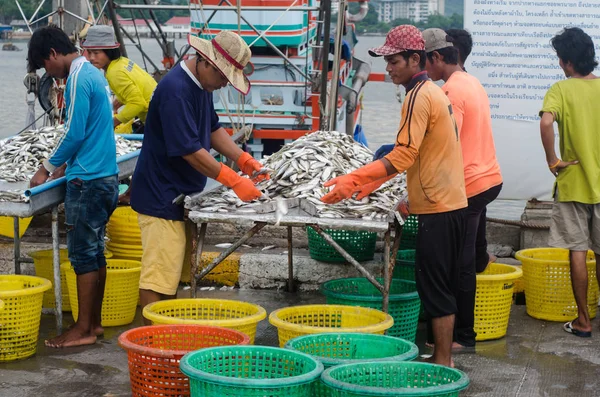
x: 400, y: 39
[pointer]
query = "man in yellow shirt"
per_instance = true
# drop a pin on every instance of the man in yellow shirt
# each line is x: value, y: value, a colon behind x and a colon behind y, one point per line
x: 428, y: 149
x: 573, y: 105
x: 132, y: 86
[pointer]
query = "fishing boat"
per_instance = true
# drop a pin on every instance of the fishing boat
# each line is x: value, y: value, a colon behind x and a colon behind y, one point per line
x: 294, y: 59
x: 296, y: 52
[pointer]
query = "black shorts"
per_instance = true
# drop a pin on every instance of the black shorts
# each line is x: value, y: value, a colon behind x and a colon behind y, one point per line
x: 440, y: 241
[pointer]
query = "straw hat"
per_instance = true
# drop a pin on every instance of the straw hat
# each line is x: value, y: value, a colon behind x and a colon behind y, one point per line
x: 229, y: 53
x: 100, y: 37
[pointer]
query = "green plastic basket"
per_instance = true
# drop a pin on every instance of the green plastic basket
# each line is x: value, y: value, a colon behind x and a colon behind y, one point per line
x: 404, y: 304
x: 250, y: 371
x: 405, y: 265
x: 408, y: 241
x: 394, y: 378
x: 359, y: 244
x: 344, y: 348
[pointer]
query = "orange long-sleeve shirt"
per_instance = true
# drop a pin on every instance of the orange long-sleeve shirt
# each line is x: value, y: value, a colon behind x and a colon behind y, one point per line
x: 428, y: 148
x: 471, y: 108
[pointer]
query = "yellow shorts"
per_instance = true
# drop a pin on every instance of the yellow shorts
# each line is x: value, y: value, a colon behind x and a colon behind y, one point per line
x: 165, y: 248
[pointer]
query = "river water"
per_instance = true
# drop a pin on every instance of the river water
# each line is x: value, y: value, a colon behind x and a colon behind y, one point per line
x: 380, y: 118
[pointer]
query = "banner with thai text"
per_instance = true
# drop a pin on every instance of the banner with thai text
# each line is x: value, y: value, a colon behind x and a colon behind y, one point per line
x: 514, y: 60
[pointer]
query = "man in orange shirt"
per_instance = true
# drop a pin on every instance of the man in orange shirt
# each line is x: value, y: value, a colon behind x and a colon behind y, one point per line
x: 483, y: 180
x: 428, y: 148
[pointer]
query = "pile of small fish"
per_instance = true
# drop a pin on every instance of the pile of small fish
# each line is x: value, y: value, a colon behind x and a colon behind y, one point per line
x: 300, y: 169
x: 21, y: 155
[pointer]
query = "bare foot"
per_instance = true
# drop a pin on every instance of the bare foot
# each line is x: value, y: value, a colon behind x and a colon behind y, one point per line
x: 72, y: 337
x: 493, y: 258
x: 455, y: 346
x: 432, y: 361
x: 97, y: 330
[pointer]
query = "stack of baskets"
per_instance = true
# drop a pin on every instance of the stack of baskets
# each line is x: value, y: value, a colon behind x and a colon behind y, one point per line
x: 120, y: 293
x: 20, y: 318
x: 408, y: 241
x: 548, y: 291
x: 405, y: 265
x: 404, y: 302
x: 359, y: 244
x: 125, y: 237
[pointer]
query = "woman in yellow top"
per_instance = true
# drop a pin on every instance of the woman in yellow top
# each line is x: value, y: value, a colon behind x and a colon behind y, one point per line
x: 132, y: 86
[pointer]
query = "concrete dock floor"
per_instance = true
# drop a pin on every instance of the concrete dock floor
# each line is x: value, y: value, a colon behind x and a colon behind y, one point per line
x: 536, y: 358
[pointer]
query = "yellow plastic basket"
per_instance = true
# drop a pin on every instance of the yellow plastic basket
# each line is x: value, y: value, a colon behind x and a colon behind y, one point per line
x: 493, y: 300
x: 20, y: 318
x: 548, y: 292
x: 519, y: 285
x: 295, y: 321
x: 7, y: 226
x: 42, y: 261
x: 241, y: 316
x: 123, y: 227
x: 1, y: 305
x: 120, y: 294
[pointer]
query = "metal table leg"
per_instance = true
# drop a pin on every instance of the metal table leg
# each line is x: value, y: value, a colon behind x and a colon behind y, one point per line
x: 291, y: 286
x: 197, y: 246
x: 348, y: 257
x: 56, y: 267
x: 255, y: 229
x: 17, y: 246
x: 389, y: 264
x: 386, y: 271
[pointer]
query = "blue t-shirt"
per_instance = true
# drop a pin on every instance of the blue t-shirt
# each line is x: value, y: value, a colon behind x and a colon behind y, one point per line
x: 180, y: 120
x: 88, y: 144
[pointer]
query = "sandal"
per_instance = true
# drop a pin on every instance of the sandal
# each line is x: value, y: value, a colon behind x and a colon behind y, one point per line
x: 568, y: 327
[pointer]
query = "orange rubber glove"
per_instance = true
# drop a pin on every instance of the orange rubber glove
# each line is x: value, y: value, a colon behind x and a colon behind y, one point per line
x: 347, y: 185
x: 243, y: 187
x: 249, y: 165
x: 369, y: 188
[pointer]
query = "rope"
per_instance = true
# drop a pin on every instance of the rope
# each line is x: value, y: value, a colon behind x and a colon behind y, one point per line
x: 35, y: 121
x: 524, y: 224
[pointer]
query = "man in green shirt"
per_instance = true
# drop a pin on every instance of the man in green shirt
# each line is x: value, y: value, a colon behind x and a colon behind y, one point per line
x: 572, y: 104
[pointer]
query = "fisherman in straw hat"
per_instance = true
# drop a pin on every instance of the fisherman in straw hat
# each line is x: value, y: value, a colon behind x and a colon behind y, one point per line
x: 181, y: 128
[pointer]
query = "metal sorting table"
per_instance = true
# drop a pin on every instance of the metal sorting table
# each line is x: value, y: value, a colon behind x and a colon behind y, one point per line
x: 41, y: 199
x: 297, y: 217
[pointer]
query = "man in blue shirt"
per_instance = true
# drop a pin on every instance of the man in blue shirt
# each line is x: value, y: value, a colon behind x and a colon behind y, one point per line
x: 88, y: 150
x: 181, y: 128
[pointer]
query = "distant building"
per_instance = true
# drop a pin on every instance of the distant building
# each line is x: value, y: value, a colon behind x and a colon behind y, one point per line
x: 415, y: 10
x: 139, y: 25
x: 17, y: 24
x: 177, y: 26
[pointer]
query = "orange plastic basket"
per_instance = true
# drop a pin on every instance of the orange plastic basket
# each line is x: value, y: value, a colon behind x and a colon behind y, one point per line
x: 154, y: 353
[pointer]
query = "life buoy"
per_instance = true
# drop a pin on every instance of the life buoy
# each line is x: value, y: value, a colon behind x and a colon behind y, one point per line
x: 364, y: 9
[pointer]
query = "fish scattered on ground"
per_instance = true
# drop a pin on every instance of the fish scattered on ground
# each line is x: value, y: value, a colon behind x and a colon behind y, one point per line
x: 300, y: 169
x: 22, y: 154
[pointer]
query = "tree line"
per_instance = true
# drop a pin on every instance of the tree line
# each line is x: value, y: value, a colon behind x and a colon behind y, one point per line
x: 370, y: 23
